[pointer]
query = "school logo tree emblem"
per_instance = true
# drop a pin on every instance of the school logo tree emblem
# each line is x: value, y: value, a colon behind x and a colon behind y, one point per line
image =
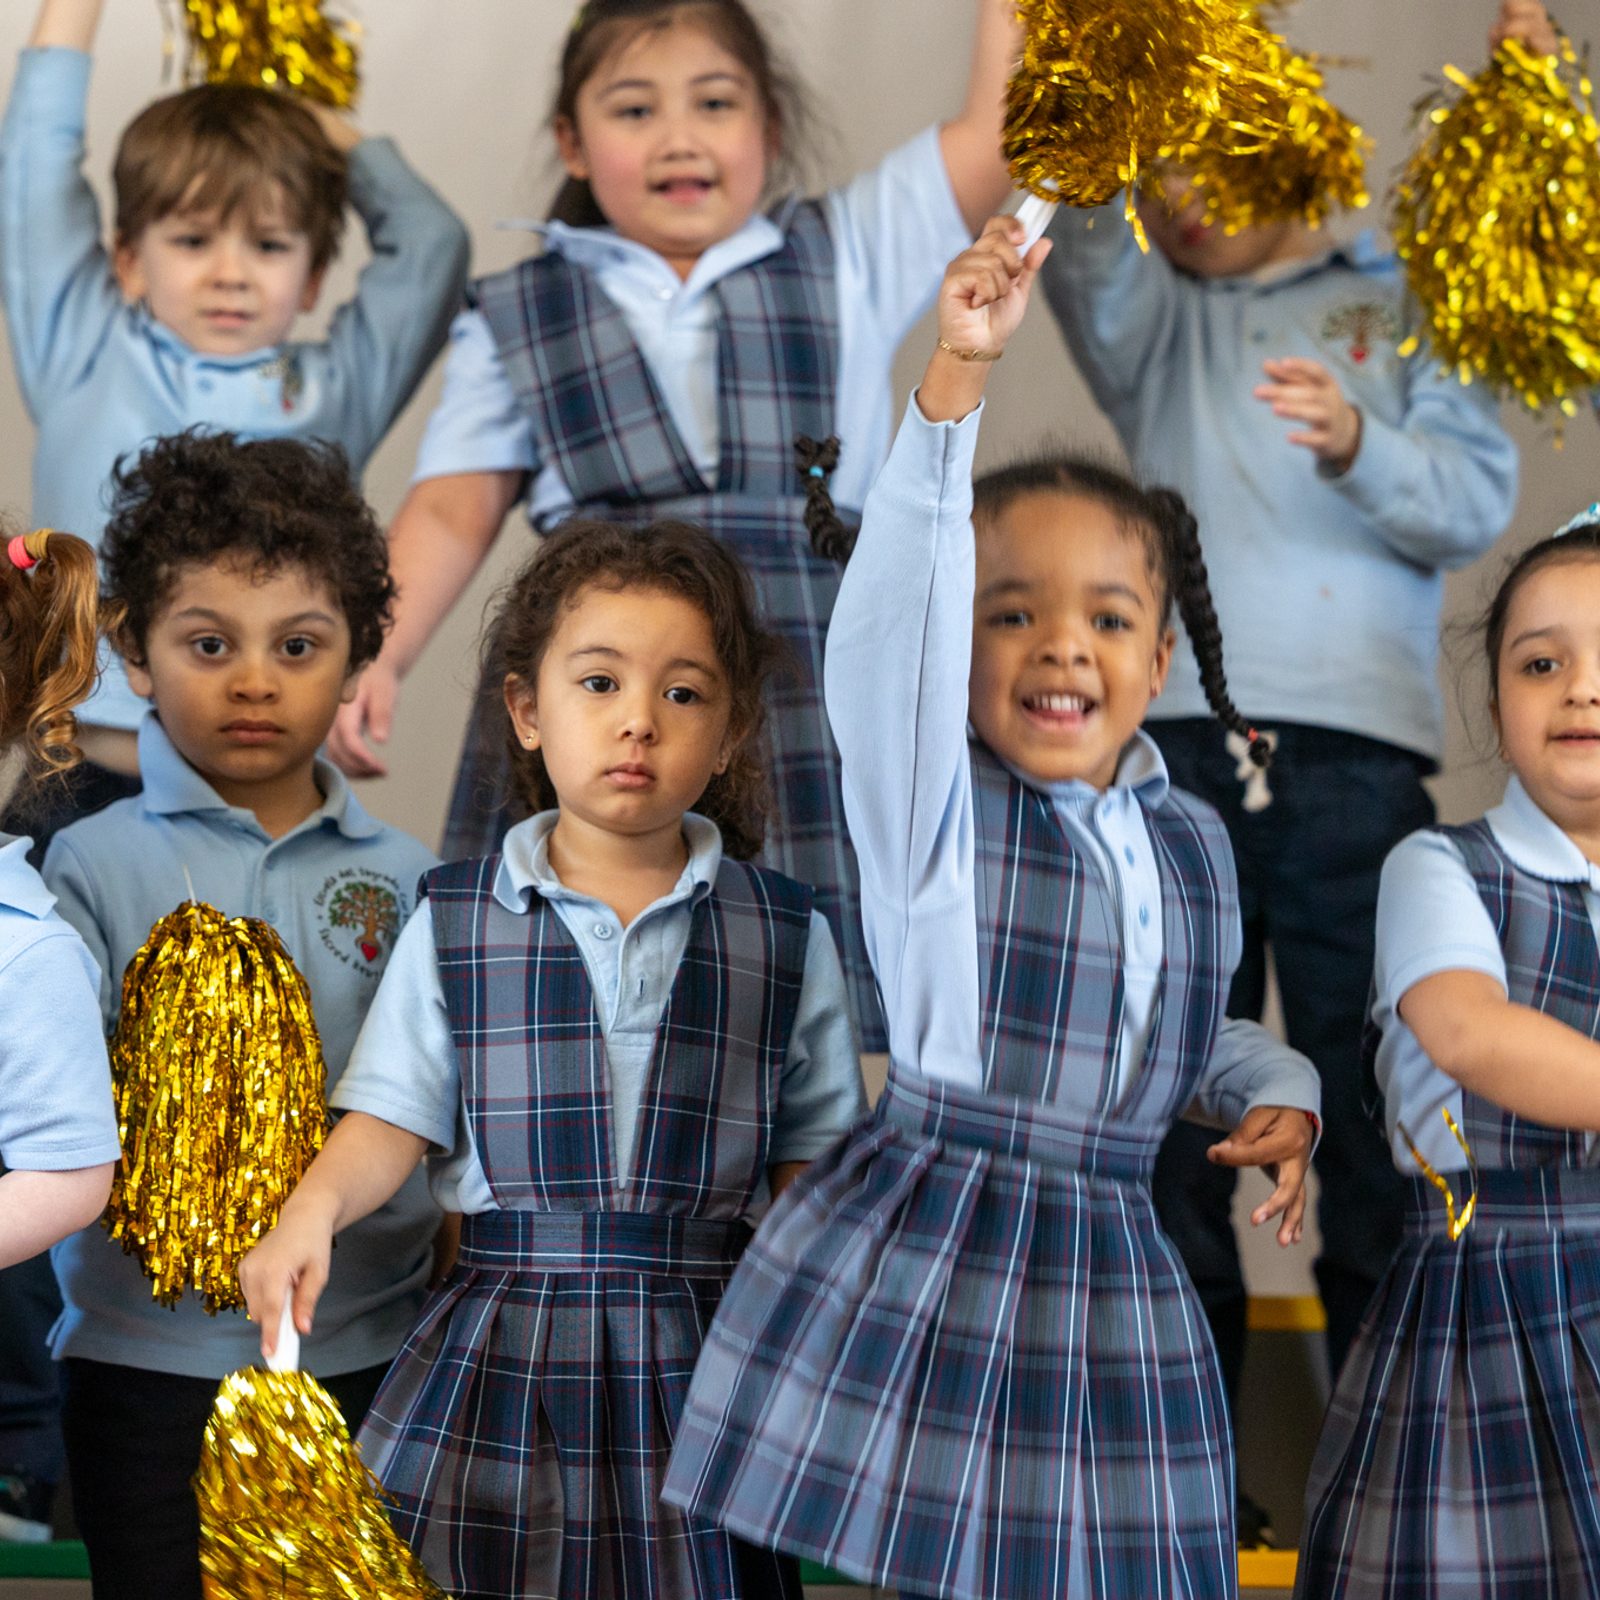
x: 1360, y: 328
x: 368, y: 908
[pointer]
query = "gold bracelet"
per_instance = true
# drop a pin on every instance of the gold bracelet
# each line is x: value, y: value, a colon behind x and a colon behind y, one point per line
x: 970, y: 355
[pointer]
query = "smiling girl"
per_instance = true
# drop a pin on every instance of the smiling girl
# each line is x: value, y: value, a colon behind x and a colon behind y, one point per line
x: 961, y: 1358
x: 686, y: 326
x: 1458, y: 1455
x: 612, y: 1039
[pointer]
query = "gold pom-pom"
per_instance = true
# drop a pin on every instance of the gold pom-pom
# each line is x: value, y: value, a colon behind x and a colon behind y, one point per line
x: 1497, y: 217
x: 288, y: 1509
x: 1103, y: 87
x: 1276, y: 147
x: 220, y: 1092
x: 278, y: 44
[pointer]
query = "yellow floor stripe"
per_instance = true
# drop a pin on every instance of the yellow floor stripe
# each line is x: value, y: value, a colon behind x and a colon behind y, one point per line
x: 1267, y: 1569
x: 1285, y: 1313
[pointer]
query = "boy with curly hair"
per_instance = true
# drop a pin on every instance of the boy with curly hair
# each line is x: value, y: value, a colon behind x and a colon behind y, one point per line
x: 256, y: 586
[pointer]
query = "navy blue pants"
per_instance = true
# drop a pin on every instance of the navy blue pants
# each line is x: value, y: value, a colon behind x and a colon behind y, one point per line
x: 1308, y: 887
x: 30, y: 1403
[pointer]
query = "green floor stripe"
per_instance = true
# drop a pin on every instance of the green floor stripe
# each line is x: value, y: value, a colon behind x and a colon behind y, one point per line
x: 67, y: 1559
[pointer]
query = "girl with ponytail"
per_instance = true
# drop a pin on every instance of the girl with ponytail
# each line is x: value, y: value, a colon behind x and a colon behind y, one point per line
x: 58, y: 1136
x: 974, y: 1281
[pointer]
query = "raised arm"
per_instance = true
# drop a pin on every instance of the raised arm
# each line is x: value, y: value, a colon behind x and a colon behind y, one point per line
x: 383, y: 340
x: 899, y: 646
x: 437, y: 541
x: 67, y: 25
x: 971, y: 142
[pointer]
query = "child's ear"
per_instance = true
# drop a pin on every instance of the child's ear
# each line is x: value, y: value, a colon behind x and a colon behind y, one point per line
x: 1162, y: 663
x: 129, y: 268
x: 571, y: 148
x: 134, y: 663
x: 524, y: 710
x: 308, y: 300
x: 352, y: 682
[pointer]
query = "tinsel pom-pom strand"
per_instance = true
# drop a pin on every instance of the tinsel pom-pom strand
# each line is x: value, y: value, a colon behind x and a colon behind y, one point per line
x: 1497, y: 218
x: 1102, y: 88
x: 288, y: 1510
x: 220, y: 1096
x: 277, y: 44
x: 1276, y: 148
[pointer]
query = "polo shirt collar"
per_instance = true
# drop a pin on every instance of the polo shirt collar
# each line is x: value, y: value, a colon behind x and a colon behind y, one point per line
x: 21, y: 888
x: 172, y: 788
x: 525, y: 862
x: 1535, y: 843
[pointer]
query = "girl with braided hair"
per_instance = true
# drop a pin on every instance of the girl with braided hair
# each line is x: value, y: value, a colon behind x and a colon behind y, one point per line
x: 960, y: 1357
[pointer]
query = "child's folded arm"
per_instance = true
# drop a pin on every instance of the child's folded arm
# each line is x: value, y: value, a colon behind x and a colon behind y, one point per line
x: 55, y: 275
x: 383, y: 340
x: 1440, y: 484
x: 897, y: 659
x: 1249, y: 1067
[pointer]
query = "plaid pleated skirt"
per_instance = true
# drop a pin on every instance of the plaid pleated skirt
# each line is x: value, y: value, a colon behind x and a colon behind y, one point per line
x: 1458, y: 1455
x: 806, y: 835
x: 961, y: 1359
x: 524, y: 1429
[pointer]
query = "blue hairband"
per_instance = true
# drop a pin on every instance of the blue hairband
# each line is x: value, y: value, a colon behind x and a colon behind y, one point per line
x: 1584, y: 519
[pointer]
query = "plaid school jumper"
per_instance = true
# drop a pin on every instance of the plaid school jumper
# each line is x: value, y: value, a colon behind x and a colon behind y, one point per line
x: 597, y: 415
x: 960, y: 1357
x: 1458, y: 1455
x: 525, y: 1425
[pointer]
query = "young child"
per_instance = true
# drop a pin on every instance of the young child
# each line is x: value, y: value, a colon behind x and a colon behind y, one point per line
x: 255, y: 585
x: 229, y: 205
x: 1458, y: 1454
x: 960, y: 1357
x: 665, y: 354
x: 1328, y: 543
x: 609, y: 1035
x: 58, y: 1131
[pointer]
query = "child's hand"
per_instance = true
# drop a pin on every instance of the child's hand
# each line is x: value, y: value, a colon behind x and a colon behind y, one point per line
x: 367, y: 720
x: 985, y: 291
x: 342, y: 133
x: 294, y: 1257
x: 1305, y: 391
x: 1529, y: 23
x: 1278, y: 1140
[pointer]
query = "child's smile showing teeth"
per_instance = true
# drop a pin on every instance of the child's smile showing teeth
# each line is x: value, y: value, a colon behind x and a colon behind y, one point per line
x: 1065, y: 712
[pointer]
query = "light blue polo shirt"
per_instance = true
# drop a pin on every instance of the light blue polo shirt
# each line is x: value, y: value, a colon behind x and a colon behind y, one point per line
x: 55, y: 1088
x: 338, y: 889
x: 405, y: 1068
x: 101, y: 378
x: 1431, y: 919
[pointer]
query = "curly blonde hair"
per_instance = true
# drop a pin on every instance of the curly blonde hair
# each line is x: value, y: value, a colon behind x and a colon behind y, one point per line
x: 50, y: 620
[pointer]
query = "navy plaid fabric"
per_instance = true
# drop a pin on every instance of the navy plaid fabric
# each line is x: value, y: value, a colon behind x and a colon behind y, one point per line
x: 960, y: 1357
x: 524, y: 1428
x: 598, y: 416
x: 1458, y: 1455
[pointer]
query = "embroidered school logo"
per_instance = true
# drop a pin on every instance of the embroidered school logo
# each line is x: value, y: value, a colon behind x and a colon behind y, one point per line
x: 1361, y: 327
x: 360, y: 916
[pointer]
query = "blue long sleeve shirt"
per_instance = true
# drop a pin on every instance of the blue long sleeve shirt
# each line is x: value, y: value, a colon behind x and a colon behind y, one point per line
x: 102, y: 379
x: 1328, y: 587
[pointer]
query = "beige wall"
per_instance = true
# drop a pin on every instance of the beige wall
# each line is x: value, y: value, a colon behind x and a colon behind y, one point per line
x: 467, y: 102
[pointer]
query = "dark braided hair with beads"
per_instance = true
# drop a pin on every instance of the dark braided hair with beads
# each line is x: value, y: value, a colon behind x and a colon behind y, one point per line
x: 1171, y: 536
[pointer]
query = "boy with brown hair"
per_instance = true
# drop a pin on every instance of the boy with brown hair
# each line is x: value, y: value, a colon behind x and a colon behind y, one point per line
x: 229, y: 205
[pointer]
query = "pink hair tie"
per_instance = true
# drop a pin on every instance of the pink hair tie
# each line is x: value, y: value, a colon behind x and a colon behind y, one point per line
x: 27, y: 549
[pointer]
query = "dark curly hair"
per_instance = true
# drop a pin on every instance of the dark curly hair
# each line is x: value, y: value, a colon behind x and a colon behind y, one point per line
x: 1163, y: 520
x: 199, y: 497
x: 674, y: 558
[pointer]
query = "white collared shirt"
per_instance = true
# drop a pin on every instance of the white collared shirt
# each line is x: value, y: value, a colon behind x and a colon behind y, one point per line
x: 1431, y: 919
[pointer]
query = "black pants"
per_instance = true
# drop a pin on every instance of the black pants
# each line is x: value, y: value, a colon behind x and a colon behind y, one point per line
x: 133, y: 1444
x: 1308, y: 887
x: 30, y: 1402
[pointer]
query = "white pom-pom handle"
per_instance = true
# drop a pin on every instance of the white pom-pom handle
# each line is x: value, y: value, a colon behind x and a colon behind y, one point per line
x: 286, y: 1358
